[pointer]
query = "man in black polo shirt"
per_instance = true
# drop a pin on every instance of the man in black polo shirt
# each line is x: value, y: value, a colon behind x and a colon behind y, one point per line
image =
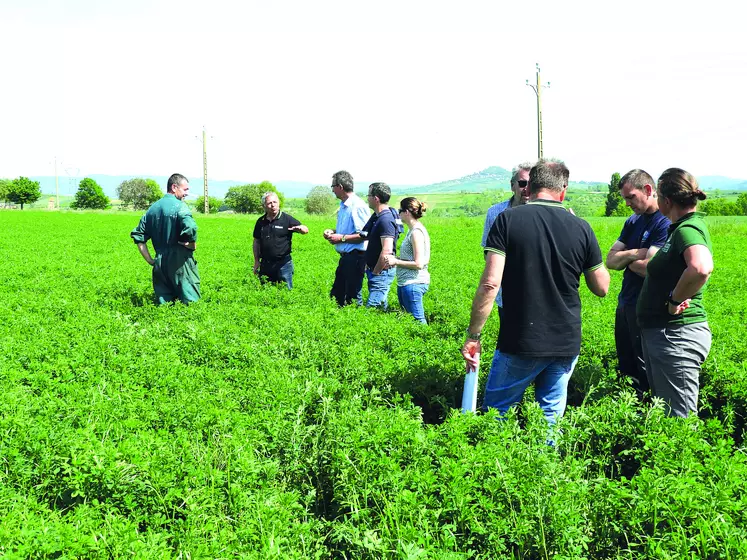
x: 537, y: 253
x: 272, y: 242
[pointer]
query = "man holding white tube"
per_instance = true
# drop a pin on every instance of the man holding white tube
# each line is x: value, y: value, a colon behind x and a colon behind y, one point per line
x: 537, y: 254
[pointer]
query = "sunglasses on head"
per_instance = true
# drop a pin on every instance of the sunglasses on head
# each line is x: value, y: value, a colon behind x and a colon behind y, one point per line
x: 522, y: 183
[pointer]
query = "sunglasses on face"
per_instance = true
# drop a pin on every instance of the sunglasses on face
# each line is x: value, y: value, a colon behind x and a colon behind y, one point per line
x: 522, y: 183
x: 402, y: 210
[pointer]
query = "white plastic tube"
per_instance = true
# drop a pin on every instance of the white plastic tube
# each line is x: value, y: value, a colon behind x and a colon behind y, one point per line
x: 469, y: 396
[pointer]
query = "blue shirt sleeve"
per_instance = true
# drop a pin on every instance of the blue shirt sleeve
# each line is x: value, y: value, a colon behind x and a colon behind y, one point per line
x: 386, y: 225
x: 497, y: 237
x: 489, y: 219
x: 625, y: 233
x: 360, y: 216
x: 660, y: 233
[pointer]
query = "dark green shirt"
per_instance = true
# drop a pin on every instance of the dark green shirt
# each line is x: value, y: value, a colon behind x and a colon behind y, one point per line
x: 166, y: 223
x: 664, y: 271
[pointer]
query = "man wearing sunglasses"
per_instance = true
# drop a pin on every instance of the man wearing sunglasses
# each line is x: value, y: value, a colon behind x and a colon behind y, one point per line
x: 520, y: 188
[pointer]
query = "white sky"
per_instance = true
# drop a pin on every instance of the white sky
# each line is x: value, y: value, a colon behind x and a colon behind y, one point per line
x: 402, y: 91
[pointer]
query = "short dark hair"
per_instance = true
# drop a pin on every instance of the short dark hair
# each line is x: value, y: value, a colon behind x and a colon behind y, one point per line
x: 680, y: 187
x: 343, y: 179
x: 381, y: 191
x: 548, y: 174
x: 175, y: 179
x: 637, y: 178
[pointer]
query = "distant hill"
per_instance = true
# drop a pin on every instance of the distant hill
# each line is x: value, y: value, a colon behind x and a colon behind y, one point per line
x: 713, y: 182
x: 492, y: 178
x: 498, y: 178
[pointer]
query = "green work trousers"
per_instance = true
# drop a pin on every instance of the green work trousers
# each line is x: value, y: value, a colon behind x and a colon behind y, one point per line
x: 175, y: 276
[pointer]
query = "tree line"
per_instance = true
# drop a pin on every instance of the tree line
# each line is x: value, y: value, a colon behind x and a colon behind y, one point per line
x: 140, y: 193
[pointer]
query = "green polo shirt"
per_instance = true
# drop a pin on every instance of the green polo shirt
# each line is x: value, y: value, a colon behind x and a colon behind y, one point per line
x: 664, y: 271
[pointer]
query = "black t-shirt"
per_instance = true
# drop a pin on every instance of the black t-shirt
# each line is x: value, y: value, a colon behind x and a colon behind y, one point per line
x: 274, y: 237
x: 378, y: 227
x: 547, y: 249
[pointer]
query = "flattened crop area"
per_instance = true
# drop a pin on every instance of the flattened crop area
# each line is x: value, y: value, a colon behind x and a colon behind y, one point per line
x: 262, y: 423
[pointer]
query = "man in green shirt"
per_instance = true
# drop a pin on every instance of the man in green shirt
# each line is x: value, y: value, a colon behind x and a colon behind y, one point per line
x: 171, y: 228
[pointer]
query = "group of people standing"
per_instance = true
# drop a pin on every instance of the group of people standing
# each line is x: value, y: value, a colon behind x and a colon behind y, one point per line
x: 365, y: 237
x: 536, y: 251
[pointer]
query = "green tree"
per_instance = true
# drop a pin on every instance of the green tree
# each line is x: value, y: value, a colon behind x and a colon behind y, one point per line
x: 90, y: 195
x: 24, y: 191
x: 213, y: 204
x: 320, y: 200
x: 247, y: 199
x: 4, y: 187
x: 138, y: 193
x: 614, y: 200
x: 155, y: 190
x: 742, y: 204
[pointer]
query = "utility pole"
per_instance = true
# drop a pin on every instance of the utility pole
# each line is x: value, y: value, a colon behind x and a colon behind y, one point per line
x: 204, y: 171
x: 56, y: 183
x: 538, y: 92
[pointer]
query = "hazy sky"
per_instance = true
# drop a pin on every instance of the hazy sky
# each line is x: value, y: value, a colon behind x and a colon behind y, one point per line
x: 402, y: 91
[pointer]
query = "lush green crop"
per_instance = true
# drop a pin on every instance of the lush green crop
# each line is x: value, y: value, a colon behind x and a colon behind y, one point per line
x: 264, y: 423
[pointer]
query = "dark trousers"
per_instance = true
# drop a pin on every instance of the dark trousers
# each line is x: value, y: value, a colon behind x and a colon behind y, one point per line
x: 629, y: 350
x: 277, y: 272
x: 348, y: 283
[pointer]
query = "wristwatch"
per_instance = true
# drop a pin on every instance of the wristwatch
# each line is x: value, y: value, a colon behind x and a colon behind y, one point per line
x: 671, y: 301
x: 473, y: 336
x: 343, y: 238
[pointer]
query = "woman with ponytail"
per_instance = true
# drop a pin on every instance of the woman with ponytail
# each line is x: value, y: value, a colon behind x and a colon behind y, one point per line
x: 674, y: 328
x: 413, y: 278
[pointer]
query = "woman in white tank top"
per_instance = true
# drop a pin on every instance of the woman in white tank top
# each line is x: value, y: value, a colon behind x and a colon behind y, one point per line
x: 413, y: 278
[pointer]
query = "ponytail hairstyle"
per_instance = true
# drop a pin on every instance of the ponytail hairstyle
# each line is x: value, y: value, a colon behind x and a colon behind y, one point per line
x: 680, y: 187
x: 413, y: 206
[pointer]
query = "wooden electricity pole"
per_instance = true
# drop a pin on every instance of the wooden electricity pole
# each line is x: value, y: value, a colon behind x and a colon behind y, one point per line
x: 538, y: 92
x: 204, y: 170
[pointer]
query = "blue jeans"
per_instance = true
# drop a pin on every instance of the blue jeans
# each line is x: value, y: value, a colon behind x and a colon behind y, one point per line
x: 273, y: 272
x: 410, y: 297
x: 378, y: 288
x: 511, y: 374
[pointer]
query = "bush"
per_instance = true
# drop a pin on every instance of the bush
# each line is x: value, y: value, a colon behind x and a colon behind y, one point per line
x: 320, y: 201
x: 90, y: 195
x: 247, y: 199
x: 139, y: 193
x: 214, y: 204
x: 721, y: 207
